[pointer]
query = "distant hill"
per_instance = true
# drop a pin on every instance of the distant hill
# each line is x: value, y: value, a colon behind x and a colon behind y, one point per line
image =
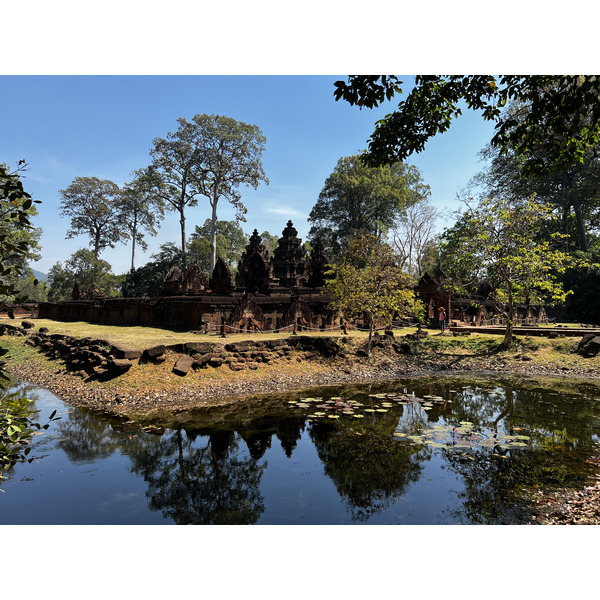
x: 39, y: 275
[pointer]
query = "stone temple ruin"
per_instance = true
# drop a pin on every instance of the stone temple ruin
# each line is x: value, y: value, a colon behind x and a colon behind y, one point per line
x: 267, y: 294
x: 477, y: 310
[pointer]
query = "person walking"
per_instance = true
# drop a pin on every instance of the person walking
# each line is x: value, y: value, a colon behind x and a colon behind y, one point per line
x: 442, y: 318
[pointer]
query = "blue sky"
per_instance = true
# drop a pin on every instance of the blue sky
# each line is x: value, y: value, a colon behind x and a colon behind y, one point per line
x: 103, y: 126
x: 84, y: 91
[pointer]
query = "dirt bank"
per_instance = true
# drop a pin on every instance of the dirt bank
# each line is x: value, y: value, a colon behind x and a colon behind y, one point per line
x: 154, y: 387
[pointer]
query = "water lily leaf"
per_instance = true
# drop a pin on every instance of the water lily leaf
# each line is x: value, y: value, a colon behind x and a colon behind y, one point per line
x: 369, y: 410
x: 518, y: 444
x: 522, y: 437
x: 359, y: 416
x: 488, y: 443
x: 399, y: 434
x: 381, y: 410
x: 333, y: 416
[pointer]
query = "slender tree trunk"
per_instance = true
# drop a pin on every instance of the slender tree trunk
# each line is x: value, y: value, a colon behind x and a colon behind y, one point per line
x: 133, y: 251
x: 213, y: 234
x: 580, y: 226
x: 565, y: 224
x: 371, y: 324
x: 182, y: 223
x: 508, y: 334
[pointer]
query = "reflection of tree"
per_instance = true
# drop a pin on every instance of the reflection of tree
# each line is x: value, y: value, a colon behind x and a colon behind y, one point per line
x: 199, y: 485
x: 562, y: 438
x: 367, y: 466
x: 84, y: 437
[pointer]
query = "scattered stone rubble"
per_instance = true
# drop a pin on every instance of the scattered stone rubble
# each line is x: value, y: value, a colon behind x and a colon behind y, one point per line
x: 104, y: 360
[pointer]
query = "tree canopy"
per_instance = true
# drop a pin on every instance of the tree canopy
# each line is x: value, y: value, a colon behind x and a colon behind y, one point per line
x: 560, y: 114
x: 211, y: 155
x: 86, y: 270
x: 500, y: 241
x: 140, y: 208
x: 358, y: 198
x: 228, y: 156
x: 92, y: 205
x: 368, y: 283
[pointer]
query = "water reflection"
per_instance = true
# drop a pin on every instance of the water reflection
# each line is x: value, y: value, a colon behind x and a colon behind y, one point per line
x: 199, y: 480
x: 212, y: 467
x: 370, y: 470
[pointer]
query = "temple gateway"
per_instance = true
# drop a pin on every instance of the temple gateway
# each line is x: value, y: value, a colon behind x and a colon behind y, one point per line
x: 267, y: 294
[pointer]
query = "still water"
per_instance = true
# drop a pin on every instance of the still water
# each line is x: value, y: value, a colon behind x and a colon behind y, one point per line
x: 435, y: 451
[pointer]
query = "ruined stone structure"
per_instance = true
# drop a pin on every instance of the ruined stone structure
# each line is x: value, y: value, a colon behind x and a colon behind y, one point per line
x: 268, y: 294
x: 478, y: 309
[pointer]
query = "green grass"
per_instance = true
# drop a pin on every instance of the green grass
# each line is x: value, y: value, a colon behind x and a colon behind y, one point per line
x: 144, y: 337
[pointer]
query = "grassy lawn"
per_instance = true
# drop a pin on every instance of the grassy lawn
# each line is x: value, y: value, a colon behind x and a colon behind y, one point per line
x: 145, y: 337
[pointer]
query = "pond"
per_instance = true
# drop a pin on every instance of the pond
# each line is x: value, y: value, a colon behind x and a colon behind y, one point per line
x: 435, y: 451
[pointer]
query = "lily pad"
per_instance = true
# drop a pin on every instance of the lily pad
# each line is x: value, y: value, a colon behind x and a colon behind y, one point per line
x: 359, y: 416
x: 435, y: 444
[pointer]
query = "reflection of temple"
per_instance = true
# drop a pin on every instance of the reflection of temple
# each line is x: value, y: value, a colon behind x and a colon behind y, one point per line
x: 268, y: 293
x: 479, y: 309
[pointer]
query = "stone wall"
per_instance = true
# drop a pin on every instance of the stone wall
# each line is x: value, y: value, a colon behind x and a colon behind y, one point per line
x: 269, y: 293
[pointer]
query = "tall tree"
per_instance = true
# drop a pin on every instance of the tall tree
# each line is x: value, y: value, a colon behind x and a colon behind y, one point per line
x: 412, y: 235
x: 574, y: 190
x: 560, y: 114
x: 172, y: 159
x: 140, y: 207
x: 357, y: 198
x: 211, y: 156
x: 367, y: 282
x: 92, y: 205
x: 500, y: 241
x: 228, y: 155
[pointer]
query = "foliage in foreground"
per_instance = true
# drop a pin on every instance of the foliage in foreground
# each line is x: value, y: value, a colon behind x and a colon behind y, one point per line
x: 17, y: 426
x: 18, y: 238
